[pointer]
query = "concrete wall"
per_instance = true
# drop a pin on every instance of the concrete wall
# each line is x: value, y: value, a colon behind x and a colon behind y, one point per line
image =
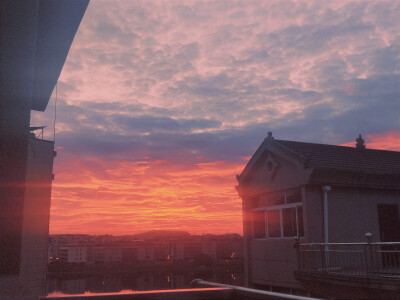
x: 287, y: 174
x: 273, y: 262
x: 18, y: 39
x: 353, y: 212
x: 313, y: 214
x: 31, y: 281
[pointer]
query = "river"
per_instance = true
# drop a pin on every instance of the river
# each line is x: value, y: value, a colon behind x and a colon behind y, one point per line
x: 128, y: 282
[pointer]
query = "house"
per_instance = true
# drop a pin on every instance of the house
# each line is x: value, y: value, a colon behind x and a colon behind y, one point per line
x: 319, y: 193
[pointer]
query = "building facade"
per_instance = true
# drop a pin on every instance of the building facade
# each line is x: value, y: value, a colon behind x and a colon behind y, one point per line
x: 73, y: 254
x: 35, y: 39
x: 319, y: 193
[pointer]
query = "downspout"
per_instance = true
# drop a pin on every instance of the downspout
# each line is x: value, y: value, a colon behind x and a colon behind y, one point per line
x: 326, y: 189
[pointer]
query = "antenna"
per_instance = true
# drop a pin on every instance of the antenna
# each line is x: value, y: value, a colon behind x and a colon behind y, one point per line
x: 55, y: 114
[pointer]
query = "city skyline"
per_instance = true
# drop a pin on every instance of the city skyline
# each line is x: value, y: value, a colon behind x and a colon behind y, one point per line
x: 161, y: 104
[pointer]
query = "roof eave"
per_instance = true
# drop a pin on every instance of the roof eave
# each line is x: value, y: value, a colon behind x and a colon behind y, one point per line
x: 58, y: 22
x: 331, y: 176
x: 274, y: 146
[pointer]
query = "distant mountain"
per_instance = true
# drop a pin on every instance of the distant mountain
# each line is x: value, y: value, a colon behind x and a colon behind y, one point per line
x: 162, y: 234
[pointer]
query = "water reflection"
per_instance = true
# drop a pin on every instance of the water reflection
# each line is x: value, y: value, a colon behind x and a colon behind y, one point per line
x: 128, y: 282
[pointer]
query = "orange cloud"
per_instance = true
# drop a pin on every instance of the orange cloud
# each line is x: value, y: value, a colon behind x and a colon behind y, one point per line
x: 121, y: 197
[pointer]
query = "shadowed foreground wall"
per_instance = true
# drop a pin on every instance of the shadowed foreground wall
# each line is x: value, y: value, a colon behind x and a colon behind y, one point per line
x: 31, y: 281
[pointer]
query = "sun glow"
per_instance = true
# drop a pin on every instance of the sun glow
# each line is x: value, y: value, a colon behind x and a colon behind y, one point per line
x: 129, y: 197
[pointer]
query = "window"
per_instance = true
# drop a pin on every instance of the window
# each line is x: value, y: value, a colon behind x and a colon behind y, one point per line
x: 289, y: 221
x: 274, y: 223
x: 259, y: 224
x: 281, y: 215
x: 300, y: 220
x: 293, y: 196
x: 258, y: 201
x: 274, y: 199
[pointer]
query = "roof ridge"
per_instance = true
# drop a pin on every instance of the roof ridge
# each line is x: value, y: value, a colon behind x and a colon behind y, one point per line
x: 339, y: 146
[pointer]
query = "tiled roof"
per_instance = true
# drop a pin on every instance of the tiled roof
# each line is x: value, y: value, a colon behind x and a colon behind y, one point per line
x: 322, y: 156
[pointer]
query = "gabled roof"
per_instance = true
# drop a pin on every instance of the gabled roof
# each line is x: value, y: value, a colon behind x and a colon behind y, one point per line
x: 328, y: 159
x: 367, y: 161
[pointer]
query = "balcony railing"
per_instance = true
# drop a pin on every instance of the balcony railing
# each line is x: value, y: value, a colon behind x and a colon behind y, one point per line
x: 350, y: 270
x: 352, y: 259
x: 199, y: 290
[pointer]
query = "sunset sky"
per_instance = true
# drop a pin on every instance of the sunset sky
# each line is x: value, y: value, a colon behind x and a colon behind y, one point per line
x: 161, y: 103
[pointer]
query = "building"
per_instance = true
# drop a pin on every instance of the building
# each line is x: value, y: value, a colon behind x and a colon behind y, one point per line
x: 223, y: 247
x: 107, y: 254
x: 168, y: 251
x: 319, y: 193
x: 73, y: 254
x: 35, y: 39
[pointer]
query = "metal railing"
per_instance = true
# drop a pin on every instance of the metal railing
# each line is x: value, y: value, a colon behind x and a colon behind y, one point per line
x: 200, y: 289
x: 351, y: 259
x: 244, y: 293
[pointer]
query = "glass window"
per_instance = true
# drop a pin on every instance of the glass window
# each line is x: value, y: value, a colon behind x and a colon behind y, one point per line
x: 289, y: 222
x: 300, y: 220
x: 285, y: 220
x: 274, y: 223
x: 259, y: 224
x: 277, y: 198
x: 293, y: 196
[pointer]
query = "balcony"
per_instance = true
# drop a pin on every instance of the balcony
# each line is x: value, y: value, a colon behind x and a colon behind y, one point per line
x: 350, y: 270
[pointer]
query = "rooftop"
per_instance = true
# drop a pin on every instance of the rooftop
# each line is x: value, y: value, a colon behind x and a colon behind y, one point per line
x: 323, y: 156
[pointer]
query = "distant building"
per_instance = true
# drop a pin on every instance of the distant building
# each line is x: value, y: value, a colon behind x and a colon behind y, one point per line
x: 73, y: 254
x: 107, y: 254
x: 168, y: 251
x: 146, y: 253
x: 113, y: 250
x: 320, y: 193
x: 142, y: 252
x: 191, y: 249
x: 69, y: 240
x: 223, y: 247
x: 130, y: 255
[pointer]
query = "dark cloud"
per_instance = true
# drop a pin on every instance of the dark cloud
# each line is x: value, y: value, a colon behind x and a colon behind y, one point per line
x: 387, y: 59
x: 147, y: 123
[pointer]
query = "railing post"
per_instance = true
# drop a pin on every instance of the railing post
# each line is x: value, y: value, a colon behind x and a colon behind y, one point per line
x: 323, y: 257
x: 296, y: 246
x: 366, y: 259
x: 368, y: 237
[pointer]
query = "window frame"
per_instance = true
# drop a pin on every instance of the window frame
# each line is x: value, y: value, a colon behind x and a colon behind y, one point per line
x: 280, y: 208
